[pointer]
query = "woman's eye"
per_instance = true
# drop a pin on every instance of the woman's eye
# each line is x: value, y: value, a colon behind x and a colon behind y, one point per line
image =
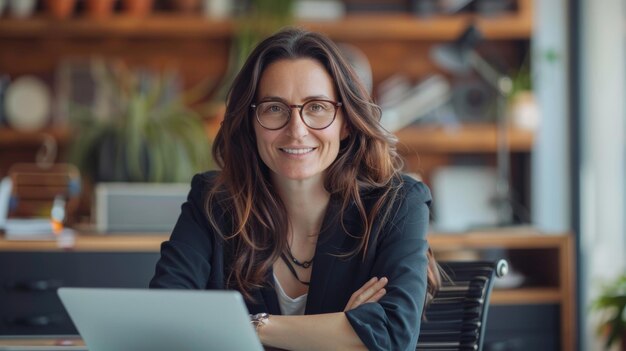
x: 274, y: 109
x: 316, y: 107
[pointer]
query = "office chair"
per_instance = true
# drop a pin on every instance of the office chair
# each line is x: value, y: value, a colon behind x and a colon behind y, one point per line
x: 457, y: 316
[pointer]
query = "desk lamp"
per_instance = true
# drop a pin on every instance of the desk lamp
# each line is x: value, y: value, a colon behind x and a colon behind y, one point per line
x: 461, y: 57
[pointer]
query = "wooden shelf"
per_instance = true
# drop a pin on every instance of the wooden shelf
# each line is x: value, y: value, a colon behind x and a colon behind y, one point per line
x: 396, y: 26
x: 156, y: 26
x: 13, y: 138
x: 411, y: 28
x: 462, y: 139
x: 466, y: 139
x: 521, y: 237
x: 123, y: 242
x: 526, y: 296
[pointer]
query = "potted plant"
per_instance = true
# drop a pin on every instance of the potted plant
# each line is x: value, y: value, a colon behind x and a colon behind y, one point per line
x: 60, y: 9
x: 612, y: 305
x: 137, y: 8
x: 523, y: 110
x: 99, y: 9
x: 140, y: 129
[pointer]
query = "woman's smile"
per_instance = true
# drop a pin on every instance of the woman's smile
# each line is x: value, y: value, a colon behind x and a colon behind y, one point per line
x: 298, y: 151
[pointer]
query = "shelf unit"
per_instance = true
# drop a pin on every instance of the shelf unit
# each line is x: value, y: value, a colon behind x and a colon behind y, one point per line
x: 466, y: 138
x: 399, y: 26
x: 202, y: 47
x: 554, y: 270
x: 13, y: 138
x: 396, y: 37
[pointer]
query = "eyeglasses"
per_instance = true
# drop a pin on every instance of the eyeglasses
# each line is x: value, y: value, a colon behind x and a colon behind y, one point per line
x: 316, y: 114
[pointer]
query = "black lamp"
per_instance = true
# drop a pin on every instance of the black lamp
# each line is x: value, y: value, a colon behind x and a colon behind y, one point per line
x: 461, y: 57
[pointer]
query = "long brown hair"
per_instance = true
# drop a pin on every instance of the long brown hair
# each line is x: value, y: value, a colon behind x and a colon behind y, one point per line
x: 367, y: 159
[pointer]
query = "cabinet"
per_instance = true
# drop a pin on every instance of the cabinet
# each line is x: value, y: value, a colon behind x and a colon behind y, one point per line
x: 540, y: 313
x: 28, y: 298
x: 33, y: 271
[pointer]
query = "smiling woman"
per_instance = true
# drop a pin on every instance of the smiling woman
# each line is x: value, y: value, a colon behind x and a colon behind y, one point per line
x: 310, y: 217
x: 298, y: 148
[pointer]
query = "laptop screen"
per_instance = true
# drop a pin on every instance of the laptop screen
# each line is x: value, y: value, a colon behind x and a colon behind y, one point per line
x: 160, y: 320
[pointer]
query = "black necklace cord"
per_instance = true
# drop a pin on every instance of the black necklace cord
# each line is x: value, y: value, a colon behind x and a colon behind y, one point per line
x: 303, y: 264
x: 292, y: 269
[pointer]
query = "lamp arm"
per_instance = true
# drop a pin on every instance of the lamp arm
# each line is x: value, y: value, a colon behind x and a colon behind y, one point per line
x: 503, y: 85
x: 499, y: 81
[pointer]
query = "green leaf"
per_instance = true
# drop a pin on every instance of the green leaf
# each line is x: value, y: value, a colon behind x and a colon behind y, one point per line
x: 156, y: 137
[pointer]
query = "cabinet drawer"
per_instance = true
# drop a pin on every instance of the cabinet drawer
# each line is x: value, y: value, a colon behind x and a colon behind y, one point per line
x: 523, y: 327
x: 29, y: 280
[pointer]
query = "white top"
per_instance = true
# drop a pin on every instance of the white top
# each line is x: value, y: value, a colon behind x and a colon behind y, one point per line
x: 289, y: 306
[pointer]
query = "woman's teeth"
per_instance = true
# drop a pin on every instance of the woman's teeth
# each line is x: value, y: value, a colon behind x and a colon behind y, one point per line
x: 298, y: 151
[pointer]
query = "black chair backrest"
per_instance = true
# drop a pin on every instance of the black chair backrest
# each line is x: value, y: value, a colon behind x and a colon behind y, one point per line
x: 457, y: 316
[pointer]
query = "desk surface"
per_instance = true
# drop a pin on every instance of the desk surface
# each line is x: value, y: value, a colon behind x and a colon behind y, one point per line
x: 521, y: 237
x: 149, y: 242
x: 47, y: 343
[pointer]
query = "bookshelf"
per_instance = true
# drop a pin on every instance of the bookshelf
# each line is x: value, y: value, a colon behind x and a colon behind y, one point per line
x: 389, y: 26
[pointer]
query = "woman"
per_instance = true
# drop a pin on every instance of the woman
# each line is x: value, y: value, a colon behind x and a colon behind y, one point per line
x: 310, y: 217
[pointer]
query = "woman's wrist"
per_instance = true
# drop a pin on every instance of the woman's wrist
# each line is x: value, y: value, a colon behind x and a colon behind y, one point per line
x: 259, y: 320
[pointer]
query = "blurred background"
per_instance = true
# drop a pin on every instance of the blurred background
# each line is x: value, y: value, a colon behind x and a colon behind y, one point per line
x: 511, y: 111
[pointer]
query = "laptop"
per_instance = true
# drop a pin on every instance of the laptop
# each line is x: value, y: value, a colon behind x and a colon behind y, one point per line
x: 160, y: 320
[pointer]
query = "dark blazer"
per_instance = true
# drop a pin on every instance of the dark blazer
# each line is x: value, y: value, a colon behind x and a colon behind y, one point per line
x: 196, y: 258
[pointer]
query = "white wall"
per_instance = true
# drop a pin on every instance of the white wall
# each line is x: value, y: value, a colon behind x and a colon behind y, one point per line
x: 603, y: 234
x: 550, y: 158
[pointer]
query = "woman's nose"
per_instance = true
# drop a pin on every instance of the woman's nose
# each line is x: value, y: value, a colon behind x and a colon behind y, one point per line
x: 296, y: 127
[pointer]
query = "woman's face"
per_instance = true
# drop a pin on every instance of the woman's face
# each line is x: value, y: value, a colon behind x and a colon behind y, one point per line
x: 297, y: 152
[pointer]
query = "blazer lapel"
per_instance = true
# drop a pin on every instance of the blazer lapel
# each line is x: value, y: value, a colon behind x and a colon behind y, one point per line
x: 329, y: 244
x: 268, y: 291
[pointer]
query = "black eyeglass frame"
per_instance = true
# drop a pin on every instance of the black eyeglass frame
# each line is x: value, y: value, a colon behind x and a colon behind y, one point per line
x: 335, y: 104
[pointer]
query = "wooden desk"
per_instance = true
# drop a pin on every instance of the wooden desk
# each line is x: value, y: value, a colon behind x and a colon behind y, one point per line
x: 547, y: 259
x: 46, y: 343
x: 92, y: 242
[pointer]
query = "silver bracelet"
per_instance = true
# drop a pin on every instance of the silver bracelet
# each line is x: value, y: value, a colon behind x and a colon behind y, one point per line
x: 258, y: 320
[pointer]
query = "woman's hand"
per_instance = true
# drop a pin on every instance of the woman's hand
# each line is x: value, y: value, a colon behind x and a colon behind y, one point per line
x: 372, y: 291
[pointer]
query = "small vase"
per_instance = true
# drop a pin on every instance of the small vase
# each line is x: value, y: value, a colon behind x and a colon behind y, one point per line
x: 186, y: 6
x: 22, y: 8
x: 3, y: 4
x: 524, y: 112
x: 99, y: 9
x: 60, y: 9
x: 217, y: 9
x: 137, y: 8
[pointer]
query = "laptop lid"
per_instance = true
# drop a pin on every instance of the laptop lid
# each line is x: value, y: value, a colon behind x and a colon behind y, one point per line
x: 160, y: 320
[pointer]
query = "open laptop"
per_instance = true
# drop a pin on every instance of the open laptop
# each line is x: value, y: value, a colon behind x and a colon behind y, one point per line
x: 160, y: 320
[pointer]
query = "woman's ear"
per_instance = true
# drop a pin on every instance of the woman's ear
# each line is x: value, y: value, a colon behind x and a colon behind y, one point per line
x: 345, y: 131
